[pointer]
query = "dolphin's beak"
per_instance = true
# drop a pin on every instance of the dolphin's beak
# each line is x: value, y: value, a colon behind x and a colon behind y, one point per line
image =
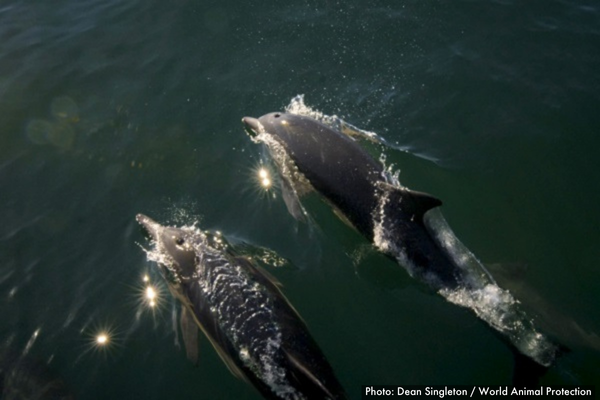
x: 151, y: 226
x: 252, y: 126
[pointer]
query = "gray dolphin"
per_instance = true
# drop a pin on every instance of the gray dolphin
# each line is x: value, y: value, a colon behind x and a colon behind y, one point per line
x: 312, y: 156
x: 240, y: 309
x: 355, y: 184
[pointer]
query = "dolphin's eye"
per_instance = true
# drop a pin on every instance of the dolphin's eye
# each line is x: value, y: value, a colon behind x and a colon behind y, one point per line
x: 179, y: 241
x: 277, y: 115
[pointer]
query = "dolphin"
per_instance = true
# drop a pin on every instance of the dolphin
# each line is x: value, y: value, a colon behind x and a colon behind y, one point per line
x: 356, y: 185
x: 241, y: 310
x: 310, y: 155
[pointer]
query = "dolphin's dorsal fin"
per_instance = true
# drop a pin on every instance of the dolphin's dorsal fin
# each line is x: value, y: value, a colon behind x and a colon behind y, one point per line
x: 423, y: 202
x: 189, y: 332
x: 417, y: 203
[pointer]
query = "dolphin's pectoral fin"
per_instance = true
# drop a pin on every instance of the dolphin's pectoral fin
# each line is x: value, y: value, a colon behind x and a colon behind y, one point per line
x: 292, y: 202
x: 229, y: 363
x: 217, y: 343
x: 338, y: 213
x: 189, y: 332
x: 307, y: 378
x: 413, y: 202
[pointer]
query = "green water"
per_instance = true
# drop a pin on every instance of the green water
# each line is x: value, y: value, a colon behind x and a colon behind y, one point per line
x: 115, y: 108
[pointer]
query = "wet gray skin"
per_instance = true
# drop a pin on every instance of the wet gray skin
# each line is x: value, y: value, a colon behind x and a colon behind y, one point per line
x: 355, y: 185
x: 240, y: 309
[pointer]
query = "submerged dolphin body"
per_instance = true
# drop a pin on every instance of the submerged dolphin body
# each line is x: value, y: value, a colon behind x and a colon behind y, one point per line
x: 311, y: 155
x: 25, y: 377
x: 240, y: 309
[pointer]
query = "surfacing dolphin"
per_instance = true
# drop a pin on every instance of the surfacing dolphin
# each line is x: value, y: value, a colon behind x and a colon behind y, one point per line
x: 311, y: 156
x: 240, y: 309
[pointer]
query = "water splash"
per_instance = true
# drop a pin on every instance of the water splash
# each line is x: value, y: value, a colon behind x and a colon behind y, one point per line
x: 298, y: 107
x: 475, y: 288
x: 480, y: 293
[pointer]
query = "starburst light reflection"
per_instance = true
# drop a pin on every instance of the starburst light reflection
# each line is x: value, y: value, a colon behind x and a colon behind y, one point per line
x: 265, y: 178
x: 102, y: 339
x: 151, y: 296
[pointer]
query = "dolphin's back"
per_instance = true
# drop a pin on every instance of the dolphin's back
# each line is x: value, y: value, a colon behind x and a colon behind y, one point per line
x: 257, y: 333
x: 334, y: 164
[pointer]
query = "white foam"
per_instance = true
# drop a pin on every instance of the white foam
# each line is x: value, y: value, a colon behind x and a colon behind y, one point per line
x: 503, y: 312
x: 477, y: 290
x: 298, y: 107
x: 382, y: 238
x: 494, y: 305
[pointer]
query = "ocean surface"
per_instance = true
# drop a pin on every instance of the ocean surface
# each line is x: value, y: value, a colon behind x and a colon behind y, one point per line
x: 112, y: 108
